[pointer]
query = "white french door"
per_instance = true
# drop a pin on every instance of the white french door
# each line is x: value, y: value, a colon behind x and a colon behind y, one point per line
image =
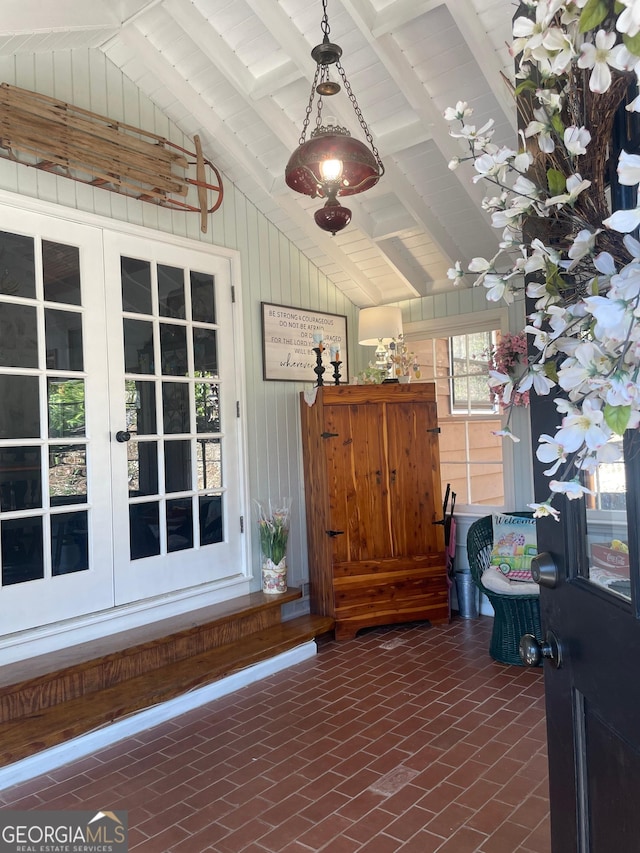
x: 120, y: 457
x: 174, y: 420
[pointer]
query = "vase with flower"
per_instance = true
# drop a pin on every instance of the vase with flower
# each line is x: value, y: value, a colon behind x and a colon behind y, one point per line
x: 273, y: 527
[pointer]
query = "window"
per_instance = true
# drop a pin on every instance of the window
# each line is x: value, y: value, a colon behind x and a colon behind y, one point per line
x: 472, y: 459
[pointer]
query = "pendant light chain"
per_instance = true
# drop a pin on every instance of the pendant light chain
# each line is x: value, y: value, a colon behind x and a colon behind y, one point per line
x: 358, y: 112
x: 307, y: 117
x: 326, y: 29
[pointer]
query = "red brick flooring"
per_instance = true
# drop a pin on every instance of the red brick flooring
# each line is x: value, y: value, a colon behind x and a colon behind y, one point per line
x: 404, y: 739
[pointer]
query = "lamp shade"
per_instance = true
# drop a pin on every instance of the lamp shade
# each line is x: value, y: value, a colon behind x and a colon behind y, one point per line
x: 384, y: 322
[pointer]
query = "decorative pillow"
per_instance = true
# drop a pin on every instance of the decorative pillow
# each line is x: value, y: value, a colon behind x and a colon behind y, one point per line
x: 514, y: 544
x: 493, y: 579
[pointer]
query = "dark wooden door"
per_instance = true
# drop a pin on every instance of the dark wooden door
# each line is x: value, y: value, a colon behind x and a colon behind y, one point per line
x: 593, y: 696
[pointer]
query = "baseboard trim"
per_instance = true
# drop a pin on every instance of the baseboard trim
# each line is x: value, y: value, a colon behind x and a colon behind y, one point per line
x: 80, y: 747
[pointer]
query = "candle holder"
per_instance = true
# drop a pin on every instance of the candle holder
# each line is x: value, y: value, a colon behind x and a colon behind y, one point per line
x: 336, y: 372
x: 319, y: 368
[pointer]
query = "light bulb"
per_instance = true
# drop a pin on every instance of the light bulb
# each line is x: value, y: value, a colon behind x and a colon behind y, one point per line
x: 331, y: 170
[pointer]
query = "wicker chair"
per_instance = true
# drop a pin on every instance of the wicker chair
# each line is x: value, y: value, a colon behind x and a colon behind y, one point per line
x: 515, y: 615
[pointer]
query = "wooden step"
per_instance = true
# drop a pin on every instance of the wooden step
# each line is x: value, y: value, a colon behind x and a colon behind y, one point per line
x: 28, y: 687
x: 63, y: 721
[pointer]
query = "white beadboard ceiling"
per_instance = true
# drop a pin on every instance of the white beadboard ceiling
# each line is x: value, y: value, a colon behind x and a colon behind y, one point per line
x: 238, y: 73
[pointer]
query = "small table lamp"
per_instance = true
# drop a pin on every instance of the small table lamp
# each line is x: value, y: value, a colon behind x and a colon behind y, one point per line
x: 378, y: 327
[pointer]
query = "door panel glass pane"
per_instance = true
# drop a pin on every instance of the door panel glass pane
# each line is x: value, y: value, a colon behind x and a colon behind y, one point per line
x: 18, y: 336
x: 179, y: 524
x: 173, y: 346
x: 21, y: 549
x: 210, y: 519
x: 63, y: 339
x: 136, y: 285
x: 202, y: 298
x: 67, y: 474
x: 142, y: 462
x: 144, y: 530
x: 175, y: 407
x: 20, y: 409
x: 61, y: 272
x: 207, y: 407
x: 141, y: 407
x: 138, y: 346
x: 171, y: 292
x: 177, y: 466
x: 69, y: 543
x: 17, y: 265
x: 205, y: 353
x: 20, y: 478
x: 66, y: 408
x: 607, y: 533
x: 209, y: 464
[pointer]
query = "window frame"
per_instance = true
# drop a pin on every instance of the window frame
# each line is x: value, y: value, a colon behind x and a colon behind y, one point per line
x: 463, y: 324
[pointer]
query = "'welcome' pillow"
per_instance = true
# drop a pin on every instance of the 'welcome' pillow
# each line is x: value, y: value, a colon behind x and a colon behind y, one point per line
x: 514, y: 544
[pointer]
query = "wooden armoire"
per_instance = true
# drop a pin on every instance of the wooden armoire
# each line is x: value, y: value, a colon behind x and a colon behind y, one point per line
x: 374, y: 505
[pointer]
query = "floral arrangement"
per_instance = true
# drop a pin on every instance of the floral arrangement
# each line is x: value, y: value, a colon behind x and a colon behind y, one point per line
x: 273, y: 526
x: 403, y: 362
x: 506, y: 359
x: 577, y: 60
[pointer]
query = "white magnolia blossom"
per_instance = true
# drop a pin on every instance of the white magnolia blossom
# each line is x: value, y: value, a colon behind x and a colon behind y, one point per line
x: 584, y: 326
x: 599, y: 57
x: 576, y: 140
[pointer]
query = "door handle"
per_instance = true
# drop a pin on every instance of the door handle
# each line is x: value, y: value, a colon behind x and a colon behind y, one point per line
x: 334, y: 533
x: 122, y: 436
x: 544, y: 570
x: 532, y: 651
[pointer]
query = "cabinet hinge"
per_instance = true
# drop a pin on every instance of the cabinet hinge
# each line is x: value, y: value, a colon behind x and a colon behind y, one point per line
x: 328, y: 435
x: 233, y: 293
x: 435, y: 430
x: 242, y: 524
x: 237, y: 408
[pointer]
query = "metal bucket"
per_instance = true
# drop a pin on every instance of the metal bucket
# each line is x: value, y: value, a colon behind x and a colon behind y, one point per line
x: 468, y: 595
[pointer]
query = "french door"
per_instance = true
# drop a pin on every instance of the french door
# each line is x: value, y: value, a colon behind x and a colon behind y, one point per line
x: 120, y: 458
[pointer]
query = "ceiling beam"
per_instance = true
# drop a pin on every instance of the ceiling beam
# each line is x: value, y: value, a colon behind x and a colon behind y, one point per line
x: 232, y: 146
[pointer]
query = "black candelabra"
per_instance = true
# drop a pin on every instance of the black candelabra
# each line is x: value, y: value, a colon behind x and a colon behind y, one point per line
x: 319, y: 368
x: 336, y: 372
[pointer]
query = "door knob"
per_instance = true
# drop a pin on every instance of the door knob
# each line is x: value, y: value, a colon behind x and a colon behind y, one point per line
x: 544, y: 570
x: 122, y: 436
x: 532, y: 651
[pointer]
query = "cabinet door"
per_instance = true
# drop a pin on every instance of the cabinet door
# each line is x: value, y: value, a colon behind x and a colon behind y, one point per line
x: 358, y: 482
x: 414, y: 478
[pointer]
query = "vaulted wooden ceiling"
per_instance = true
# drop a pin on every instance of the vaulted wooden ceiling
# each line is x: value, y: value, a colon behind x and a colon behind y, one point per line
x: 239, y: 72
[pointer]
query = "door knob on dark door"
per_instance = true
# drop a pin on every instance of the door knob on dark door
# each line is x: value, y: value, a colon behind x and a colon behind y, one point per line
x: 532, y: 651
x: 123, y: 436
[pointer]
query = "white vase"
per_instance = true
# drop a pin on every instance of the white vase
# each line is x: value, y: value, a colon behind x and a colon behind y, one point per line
x: 404, y: 380
x: 274, y: 578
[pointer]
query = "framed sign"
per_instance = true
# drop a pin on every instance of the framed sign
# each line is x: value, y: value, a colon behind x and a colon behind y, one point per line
x: 289, y: 336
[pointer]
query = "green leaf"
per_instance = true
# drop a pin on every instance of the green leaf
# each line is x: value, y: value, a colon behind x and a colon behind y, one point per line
x: 632, y: 43
x: 556, y: 123
x: 595, y: 287
x: 617, y: 418
x: 551, y: 370
x: 556, y: 182
x: 525, y: 86
x: 593, y: 14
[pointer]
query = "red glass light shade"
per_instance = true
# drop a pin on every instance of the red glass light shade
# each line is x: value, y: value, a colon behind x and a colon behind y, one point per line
x: 332, y: 217
x: 360, y: 170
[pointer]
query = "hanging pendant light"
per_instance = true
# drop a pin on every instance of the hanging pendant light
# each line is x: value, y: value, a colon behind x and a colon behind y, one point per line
x: 331, y: 162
